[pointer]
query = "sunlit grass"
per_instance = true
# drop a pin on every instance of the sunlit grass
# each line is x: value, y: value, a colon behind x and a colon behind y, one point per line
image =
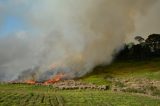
x: 125, y: 69
x: 45, y: 96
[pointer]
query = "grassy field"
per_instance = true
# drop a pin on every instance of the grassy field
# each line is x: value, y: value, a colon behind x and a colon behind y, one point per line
x: 32, y: 95
x: 29, y: 95
x: 149, y: 69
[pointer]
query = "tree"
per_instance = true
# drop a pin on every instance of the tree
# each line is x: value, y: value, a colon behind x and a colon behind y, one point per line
x: 154, y: 42
x: 146, y: 49
x: 139, y: 39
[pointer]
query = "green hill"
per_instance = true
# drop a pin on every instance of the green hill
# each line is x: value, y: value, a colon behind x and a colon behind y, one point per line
x: 149, y: 69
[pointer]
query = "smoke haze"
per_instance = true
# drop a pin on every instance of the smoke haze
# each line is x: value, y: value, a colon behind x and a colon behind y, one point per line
x: 70, y: 36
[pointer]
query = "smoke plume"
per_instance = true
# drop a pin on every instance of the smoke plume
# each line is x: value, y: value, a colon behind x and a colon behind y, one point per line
x: 68, y: 36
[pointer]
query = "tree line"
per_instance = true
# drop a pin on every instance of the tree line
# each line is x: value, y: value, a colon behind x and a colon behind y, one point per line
x: 145, y: 49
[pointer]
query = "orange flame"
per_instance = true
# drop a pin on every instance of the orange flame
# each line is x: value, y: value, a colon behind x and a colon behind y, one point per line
x: 54, y: 80
x: 32, y: 82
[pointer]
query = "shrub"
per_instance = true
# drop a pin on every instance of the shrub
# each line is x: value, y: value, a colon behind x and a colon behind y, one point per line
x: 156, y: 92
x: 134, y: 90
x: 119, y: 84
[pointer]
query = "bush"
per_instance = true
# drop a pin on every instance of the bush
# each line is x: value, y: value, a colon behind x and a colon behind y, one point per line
x: 156, y: 92
x: 133, y: 90
x: 119, y: 84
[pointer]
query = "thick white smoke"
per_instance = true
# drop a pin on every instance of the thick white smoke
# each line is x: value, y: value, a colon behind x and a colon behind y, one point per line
x: 74, y: 35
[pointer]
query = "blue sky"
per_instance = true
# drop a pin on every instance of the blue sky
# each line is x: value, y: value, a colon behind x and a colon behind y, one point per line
x: 10, y: 25
x: 11, y: 20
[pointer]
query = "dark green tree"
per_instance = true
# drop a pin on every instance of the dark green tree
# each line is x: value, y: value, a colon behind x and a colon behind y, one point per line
x: 153, y: 41
x: 139, y: 39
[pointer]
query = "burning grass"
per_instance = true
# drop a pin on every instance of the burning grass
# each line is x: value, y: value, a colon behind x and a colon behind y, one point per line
x: 50, y: 81
x: 59, y: 82
x: 55, y: 79
x: 30, y: 82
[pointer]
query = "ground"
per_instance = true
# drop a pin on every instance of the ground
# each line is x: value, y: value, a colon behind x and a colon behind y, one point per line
x: 121, y: 71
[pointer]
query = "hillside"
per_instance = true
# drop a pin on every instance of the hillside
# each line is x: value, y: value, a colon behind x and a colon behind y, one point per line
x: 149, y: 69
x: 116, y: 76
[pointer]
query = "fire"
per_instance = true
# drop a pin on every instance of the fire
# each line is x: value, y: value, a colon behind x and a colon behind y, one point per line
x: 57, y: 78
x: 30, y: 82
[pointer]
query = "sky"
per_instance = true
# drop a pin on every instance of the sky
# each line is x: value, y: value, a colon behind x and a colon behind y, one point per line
x: 12, y: 19
x: 10, y: 25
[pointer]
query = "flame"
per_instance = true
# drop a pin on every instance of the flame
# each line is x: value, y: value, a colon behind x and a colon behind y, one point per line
x: 57, y: 78
x: 30, y: 82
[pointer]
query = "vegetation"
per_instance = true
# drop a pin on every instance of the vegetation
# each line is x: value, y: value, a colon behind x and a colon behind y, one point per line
x: 30, y: 95
x: 149, y: 69
x: 145, y: 49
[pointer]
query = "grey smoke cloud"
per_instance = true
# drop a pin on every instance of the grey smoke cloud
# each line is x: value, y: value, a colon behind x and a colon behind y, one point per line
x: 73, y: 35
x: 149, y: 24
